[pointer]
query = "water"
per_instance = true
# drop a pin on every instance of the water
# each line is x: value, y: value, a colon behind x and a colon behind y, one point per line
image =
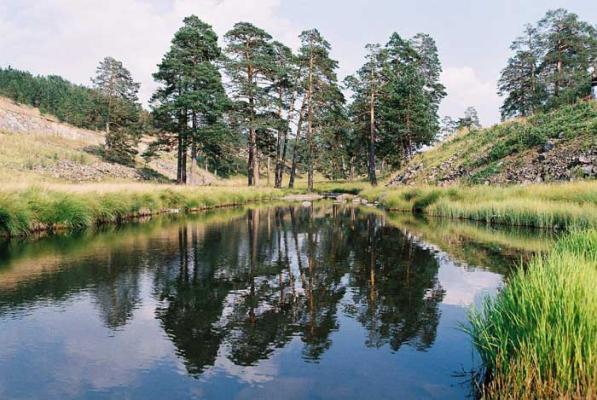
x: 325, y: 302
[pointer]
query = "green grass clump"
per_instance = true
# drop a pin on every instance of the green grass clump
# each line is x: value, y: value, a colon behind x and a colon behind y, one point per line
x: 564, y: 205
x: 35, y: 209
x: 538, y: 337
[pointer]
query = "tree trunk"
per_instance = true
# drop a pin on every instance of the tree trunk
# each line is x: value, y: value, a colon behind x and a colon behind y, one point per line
x: 279, y: 139
x: 251, y: 164
x: 372, y: 177
x: 257, y: 166
x: 295, y: 150
x: 251, y: 167
x: 268, y: 170
x: 179, y: 159
x: 310, y: 125
x: 183, y: 167
x: 280, y: 173
x: 193, y: 151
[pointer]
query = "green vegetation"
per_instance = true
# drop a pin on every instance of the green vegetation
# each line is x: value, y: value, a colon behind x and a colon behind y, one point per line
x: 550, y: 66
x: 52, y: 94
x: 396, y: 95
x: 481, y: 154
x: 566, y: 205
x: 538, y: 337
x: 23, y: 212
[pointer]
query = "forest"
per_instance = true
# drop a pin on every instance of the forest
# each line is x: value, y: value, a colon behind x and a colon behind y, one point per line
x: 254, y: 106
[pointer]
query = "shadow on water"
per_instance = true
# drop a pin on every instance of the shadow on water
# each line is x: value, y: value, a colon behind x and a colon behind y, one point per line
x: 301, y: 287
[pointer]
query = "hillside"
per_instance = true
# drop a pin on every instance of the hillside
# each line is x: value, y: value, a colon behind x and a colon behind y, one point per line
x: 557, y: 146
x: 36, y: 147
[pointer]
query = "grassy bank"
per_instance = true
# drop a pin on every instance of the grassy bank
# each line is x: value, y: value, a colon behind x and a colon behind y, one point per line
x: 538, y: 337
x: 499, y: 154
x: 564, y: 205
x: 24, y: 211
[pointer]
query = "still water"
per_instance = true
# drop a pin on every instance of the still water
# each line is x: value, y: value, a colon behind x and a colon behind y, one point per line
x: 322, y: 302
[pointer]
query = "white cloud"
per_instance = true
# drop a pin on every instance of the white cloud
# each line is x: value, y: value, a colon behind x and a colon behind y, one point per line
x: 465, y: 88
x: 69, y: 37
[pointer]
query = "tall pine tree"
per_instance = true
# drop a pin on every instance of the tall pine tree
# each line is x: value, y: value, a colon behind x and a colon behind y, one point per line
x: 191, y: 100
x: 249, y: 64
x: 320, y: 87
x: 366, y: 87
x: 119, y: 106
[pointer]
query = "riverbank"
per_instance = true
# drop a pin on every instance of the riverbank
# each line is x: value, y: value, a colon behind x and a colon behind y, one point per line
x: 538, y: 337
x: 563, y: 205
x: 37, y: 209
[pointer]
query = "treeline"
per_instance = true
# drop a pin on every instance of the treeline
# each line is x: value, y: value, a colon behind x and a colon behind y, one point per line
x: 551, y: 66
x: 52, y: 94
x: 285, y: 113
x: 289, y: 108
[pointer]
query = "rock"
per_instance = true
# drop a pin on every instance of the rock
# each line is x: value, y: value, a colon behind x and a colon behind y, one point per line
x: 584, y: 160
x: 587, y: 170
x: 561, y: 135
x: 306, y: 204
x: 344, y: 197
x: 364, y: 201
x: 548, y: 146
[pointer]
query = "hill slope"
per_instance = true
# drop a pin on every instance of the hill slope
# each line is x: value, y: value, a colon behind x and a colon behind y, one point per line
x: 561, y: 145
x: 36, y: 147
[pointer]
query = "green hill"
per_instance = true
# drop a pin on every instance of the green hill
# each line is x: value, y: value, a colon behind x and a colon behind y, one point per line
x: 556, y: 146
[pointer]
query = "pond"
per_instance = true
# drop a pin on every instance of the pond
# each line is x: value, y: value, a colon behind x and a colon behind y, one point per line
x: 292, y: 302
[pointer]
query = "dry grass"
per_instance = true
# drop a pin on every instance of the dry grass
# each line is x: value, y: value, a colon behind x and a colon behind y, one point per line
x: 562, y: 205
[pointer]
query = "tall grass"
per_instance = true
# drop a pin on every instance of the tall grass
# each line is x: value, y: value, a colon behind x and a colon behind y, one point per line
x: 23, y: 211
x: 564, y: 205
x: 538, y: 337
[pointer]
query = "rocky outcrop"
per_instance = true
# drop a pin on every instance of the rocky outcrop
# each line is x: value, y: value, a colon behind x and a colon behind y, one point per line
x: 18, y: 118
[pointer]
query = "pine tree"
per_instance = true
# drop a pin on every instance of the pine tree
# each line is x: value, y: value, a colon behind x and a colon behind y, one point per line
x: 470, y: 119
x: 115, y: 84
x: 249, y: 65
x: 119, y: 106
x: 550, y: 65
x: 191, y: 100
x: 519, y: 79
x: 569, y: 47
x: 429, y: 67
x: 285, y: 89
x: 408, y: 112
x: 366, y: 86
x: 319, y: 85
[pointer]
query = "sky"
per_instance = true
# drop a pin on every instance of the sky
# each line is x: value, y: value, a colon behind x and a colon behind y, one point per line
x: 69, y: 37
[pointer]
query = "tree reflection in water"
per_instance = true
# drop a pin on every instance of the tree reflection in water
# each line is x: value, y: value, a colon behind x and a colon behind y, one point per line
x: 245, y: 290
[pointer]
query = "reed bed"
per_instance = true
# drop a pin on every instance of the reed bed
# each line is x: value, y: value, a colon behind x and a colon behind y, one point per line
x: 538, y: 337
x: 24, y: 211
x: 564, y: 205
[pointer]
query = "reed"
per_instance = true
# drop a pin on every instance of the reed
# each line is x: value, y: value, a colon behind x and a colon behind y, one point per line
x: 538, y: 337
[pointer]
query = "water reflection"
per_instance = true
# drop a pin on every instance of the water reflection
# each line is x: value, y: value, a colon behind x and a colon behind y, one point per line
x: 236, y: 292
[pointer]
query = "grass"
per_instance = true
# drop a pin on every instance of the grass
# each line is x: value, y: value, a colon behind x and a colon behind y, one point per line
x: 563, y: 205
x: 538, y: 337
x: 484, y: 153
x: 27, y: 210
